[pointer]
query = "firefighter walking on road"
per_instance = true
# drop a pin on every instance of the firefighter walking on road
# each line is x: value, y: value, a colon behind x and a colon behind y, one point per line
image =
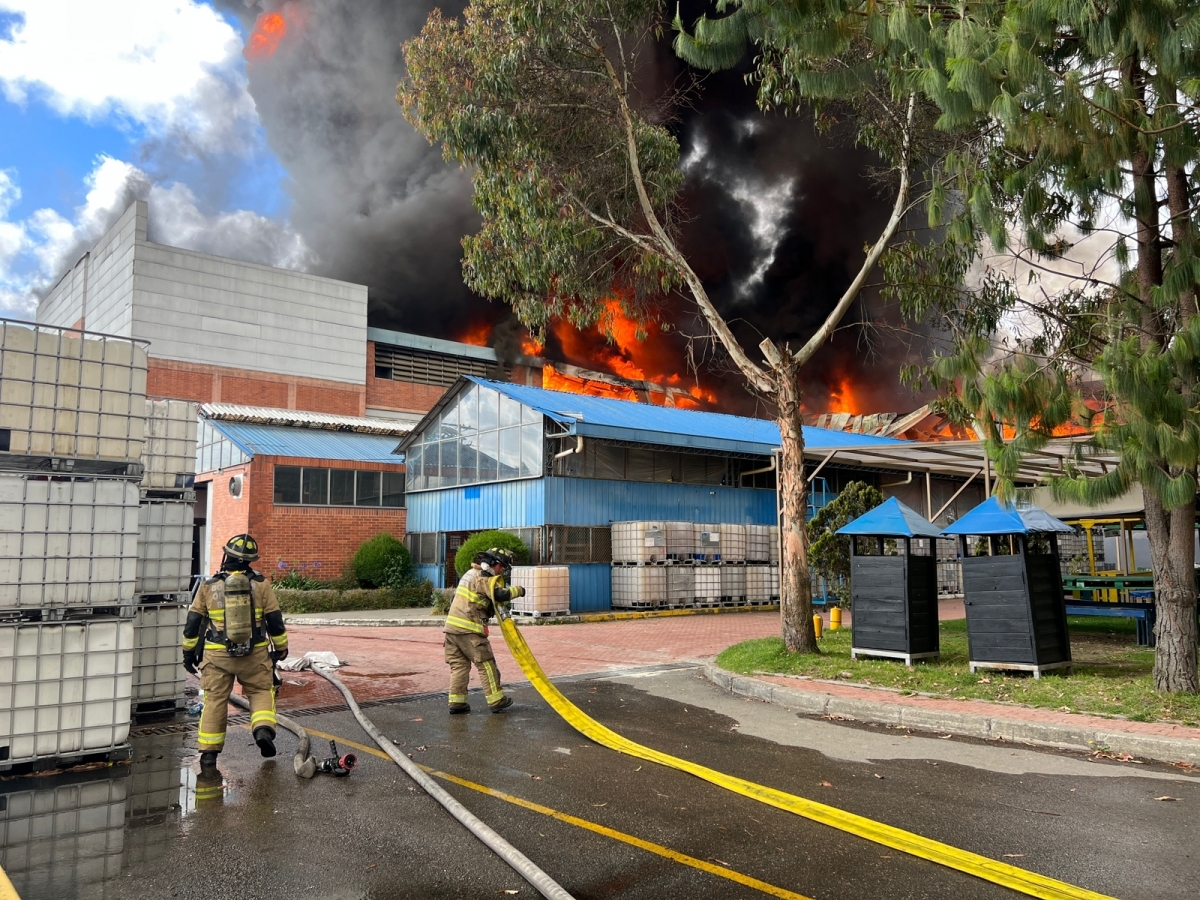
x: 235, y: 630
x: 466, y: 631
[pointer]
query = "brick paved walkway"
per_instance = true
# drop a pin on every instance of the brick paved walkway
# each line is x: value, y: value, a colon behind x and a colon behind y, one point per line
x: 390, y: 662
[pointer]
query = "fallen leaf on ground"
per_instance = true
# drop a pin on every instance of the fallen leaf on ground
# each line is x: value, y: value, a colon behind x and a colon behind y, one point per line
x: 877, y: 775
x: 605, y: 803
x: 719, y: 862
x: 1013, y: 855
x: 985, y: 681
x: 826, y: 784
x: 945, y: 737
x: 1164, y: 797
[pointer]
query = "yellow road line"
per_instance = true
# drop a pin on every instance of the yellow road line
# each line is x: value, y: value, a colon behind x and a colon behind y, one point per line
x: 666, y: 852
x: 1003, y: 874
x: 7, y: 891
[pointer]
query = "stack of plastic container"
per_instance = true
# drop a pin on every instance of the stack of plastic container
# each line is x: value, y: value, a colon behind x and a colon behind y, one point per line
x: 72, y: 424
x: 166, y: 525
x: 547, y: 591
x: 705, y: 565
x: 762, y: 565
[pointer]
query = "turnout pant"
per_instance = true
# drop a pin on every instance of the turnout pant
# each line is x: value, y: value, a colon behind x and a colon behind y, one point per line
x: 461, y: 651
x: 218, y: 671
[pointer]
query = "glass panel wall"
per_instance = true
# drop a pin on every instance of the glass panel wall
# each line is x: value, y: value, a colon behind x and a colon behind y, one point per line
x: 483, y: 436
x: 304, y: 486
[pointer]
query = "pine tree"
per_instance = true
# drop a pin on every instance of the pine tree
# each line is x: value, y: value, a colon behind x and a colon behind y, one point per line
x: 1087, y: 114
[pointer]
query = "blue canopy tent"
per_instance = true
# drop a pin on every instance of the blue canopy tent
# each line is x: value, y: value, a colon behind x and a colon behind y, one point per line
x: 895, y: 597
x: 1016, y: 614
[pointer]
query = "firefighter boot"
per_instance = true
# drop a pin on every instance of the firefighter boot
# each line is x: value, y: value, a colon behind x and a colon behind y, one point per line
x: 459, y: 708
x: 502, y: 705
x: 208, y: 759
x: 265, y: 738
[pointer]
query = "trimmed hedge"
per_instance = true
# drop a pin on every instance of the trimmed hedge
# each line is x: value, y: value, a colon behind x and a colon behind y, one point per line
x: 486, y: 540
x: 413, y: 596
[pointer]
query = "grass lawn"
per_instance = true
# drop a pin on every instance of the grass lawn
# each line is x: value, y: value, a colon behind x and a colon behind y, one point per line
x: 1112, y: 677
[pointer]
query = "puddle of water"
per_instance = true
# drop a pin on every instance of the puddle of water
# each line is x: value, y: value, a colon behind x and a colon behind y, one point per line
x: 65, y: 835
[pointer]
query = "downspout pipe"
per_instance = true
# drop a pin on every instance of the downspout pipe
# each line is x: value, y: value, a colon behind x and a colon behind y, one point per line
x: 578, y: 448
x: 770, y: 468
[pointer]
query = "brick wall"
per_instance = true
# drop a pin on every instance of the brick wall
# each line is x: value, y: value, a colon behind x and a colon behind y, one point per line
x: 383, y: 393
x: 230, y: 515
x: 329, y: 535
x: 254, y: 392
x: 346, y: 403
x: 222, y: 384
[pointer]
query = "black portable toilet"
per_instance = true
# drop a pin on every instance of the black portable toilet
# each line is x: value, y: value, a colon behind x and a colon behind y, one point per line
x: 1012, y: 588
x: 895, y: 611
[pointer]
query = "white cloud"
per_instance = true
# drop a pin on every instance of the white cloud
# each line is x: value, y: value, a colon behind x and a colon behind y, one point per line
x: 172, y: 67
x: 34, y: 252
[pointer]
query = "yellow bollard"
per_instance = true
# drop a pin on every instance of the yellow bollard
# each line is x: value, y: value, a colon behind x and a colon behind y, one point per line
x: 835, y: 618
x: 817, y: 624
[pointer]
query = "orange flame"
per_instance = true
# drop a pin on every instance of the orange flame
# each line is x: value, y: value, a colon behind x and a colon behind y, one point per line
x: 531, y: 347
x: 477, y: 335
x: 269, y: 30
x: 842, y: 399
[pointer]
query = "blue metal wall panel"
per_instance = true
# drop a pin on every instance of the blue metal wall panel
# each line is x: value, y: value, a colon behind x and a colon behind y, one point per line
x: 591, y: 588
x: 593, y: 501
x: 509, y: 504
x: 430, y: 573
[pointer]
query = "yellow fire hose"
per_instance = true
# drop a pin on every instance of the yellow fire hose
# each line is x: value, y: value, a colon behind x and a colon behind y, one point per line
x: 935, y: 851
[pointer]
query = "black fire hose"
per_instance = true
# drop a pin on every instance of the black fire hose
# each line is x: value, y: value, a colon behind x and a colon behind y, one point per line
x: 544, y: 884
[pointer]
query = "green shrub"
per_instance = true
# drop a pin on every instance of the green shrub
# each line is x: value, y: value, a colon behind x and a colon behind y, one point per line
x: 296, y: 580
x: 379, y: 559
x: 413, y: 596
x: 829, y: 553
x: 442, y: 598
x: 486, y: 540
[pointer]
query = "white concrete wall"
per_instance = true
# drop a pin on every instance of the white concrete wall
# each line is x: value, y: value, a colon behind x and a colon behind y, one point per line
x: 99, y: 287
x: 109, y: 306
x: 249, y: 316
x: 199, y: 308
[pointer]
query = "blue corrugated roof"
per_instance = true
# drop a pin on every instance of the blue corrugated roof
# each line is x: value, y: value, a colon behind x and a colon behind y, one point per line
x: 309, y: 443
x: 625, y: 420
x: 991, y: 517
x: 892, y: 518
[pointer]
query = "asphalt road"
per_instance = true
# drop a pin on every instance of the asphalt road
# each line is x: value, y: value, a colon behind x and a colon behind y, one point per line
x: 374, y: 836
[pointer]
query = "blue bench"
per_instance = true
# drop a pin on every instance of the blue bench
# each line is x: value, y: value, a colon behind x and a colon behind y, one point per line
x: 1143, y: 614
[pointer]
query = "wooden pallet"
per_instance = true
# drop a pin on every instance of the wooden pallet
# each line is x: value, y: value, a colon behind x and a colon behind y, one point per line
x: 539, y: 613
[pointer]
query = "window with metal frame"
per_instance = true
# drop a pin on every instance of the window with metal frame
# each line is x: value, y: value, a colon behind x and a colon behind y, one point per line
x: 314, y: 486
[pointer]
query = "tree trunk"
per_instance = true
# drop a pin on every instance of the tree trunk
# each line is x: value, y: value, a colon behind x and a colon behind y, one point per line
x: 795, y: 587
x: 1172, y: 547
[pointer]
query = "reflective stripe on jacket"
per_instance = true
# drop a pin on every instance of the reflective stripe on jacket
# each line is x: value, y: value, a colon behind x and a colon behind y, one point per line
x: 473, y: 604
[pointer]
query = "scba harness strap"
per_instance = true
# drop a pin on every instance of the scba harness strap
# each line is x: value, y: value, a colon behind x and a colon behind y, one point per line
x: 235, y: 618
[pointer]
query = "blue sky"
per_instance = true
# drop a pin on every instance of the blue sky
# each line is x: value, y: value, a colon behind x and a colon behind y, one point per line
x: 100, y: 101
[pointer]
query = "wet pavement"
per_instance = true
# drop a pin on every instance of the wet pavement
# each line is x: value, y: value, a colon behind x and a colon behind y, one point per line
x: 158, y: 829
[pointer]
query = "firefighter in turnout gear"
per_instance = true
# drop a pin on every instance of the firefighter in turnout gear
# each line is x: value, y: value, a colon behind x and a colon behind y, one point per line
x: 235, y: 630
x: 466, y: 632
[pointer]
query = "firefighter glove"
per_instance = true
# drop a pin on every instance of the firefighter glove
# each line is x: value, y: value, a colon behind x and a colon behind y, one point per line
x: 517, y: 591
x: 281, y: 653
x: 189, y: 661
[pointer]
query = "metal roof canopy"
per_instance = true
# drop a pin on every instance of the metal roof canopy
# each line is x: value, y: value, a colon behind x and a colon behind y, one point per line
x: 298, y: 418
x: 309, y: 443
x: 660, y: 426
x: 892, y: 519
x: 993, y: 517
x: 960, y: 458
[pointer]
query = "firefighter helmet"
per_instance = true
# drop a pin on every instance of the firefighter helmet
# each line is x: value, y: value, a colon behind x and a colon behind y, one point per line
x: 496, y: 557
x: 242, y: 547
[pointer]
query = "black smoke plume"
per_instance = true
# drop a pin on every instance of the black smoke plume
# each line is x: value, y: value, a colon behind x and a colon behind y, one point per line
x: 779, y: 216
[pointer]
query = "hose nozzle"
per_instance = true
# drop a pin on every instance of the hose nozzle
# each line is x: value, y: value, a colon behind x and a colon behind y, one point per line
x: 338, y: 766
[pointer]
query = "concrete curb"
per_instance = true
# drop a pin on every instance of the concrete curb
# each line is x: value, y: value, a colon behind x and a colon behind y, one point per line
x: 439, y: 621
x: 1042, y: 734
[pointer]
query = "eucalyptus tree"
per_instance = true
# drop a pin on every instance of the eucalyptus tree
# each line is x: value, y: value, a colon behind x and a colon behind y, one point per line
x: 577, y: 179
